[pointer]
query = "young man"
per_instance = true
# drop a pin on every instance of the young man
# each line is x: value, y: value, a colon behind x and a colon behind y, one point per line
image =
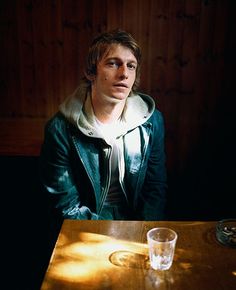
x: 103, y: 154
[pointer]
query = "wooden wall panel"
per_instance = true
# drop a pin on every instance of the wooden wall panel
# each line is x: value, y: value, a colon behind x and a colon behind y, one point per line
x: 27, y: 92
x: 9, y: 64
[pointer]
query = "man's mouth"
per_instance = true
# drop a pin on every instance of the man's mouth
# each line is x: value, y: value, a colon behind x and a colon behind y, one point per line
x: 121, y: 85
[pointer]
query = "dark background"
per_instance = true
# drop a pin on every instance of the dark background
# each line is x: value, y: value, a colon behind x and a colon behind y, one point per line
x: 189, y: 69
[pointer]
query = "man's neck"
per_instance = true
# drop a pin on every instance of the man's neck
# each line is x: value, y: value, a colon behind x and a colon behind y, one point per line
x: 107, y: 112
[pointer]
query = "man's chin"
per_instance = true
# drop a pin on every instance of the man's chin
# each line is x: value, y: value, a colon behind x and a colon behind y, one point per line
x: 120, y: 96
x: 116, y: 97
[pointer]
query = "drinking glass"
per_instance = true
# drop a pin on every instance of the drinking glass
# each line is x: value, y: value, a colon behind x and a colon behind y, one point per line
x: 161, y: 243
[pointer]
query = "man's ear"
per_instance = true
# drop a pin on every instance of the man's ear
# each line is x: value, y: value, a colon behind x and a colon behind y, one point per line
x: 90, y: 77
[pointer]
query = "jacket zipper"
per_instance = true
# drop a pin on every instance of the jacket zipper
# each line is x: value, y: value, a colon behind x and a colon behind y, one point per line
x: 107, y: 183
x: 121, y: 166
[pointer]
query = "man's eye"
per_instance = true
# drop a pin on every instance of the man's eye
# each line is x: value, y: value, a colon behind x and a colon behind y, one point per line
x: 132, y: 66
x: 112, y: 64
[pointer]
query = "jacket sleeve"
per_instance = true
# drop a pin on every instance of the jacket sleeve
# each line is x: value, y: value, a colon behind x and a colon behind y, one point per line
x: 56, y: 173
x: 153, y: 195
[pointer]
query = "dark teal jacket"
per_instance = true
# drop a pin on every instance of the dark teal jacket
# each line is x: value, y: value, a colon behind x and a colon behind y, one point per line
x: 73, y: 169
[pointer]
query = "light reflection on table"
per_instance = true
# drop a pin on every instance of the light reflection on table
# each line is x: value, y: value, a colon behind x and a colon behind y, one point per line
x: 96, y: 254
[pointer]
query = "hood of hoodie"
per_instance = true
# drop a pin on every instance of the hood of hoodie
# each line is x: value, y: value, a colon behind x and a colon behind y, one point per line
x: 77, y: 109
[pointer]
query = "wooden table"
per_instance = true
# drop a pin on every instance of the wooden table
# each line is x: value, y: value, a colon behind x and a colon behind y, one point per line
x: 114, y: 255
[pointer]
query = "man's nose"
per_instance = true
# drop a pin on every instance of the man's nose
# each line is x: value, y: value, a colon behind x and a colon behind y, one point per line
x: 123, y: 72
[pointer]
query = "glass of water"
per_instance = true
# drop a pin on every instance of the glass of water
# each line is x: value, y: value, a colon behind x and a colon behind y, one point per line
x: 161, y: 243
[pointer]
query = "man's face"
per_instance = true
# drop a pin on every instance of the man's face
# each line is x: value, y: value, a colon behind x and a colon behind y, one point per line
x: 116, y: 73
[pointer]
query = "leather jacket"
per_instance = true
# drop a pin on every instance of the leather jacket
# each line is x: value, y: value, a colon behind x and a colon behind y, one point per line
x: 74, y: 168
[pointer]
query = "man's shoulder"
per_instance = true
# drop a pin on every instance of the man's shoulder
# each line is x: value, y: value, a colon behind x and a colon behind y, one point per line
x: 57, y: 122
